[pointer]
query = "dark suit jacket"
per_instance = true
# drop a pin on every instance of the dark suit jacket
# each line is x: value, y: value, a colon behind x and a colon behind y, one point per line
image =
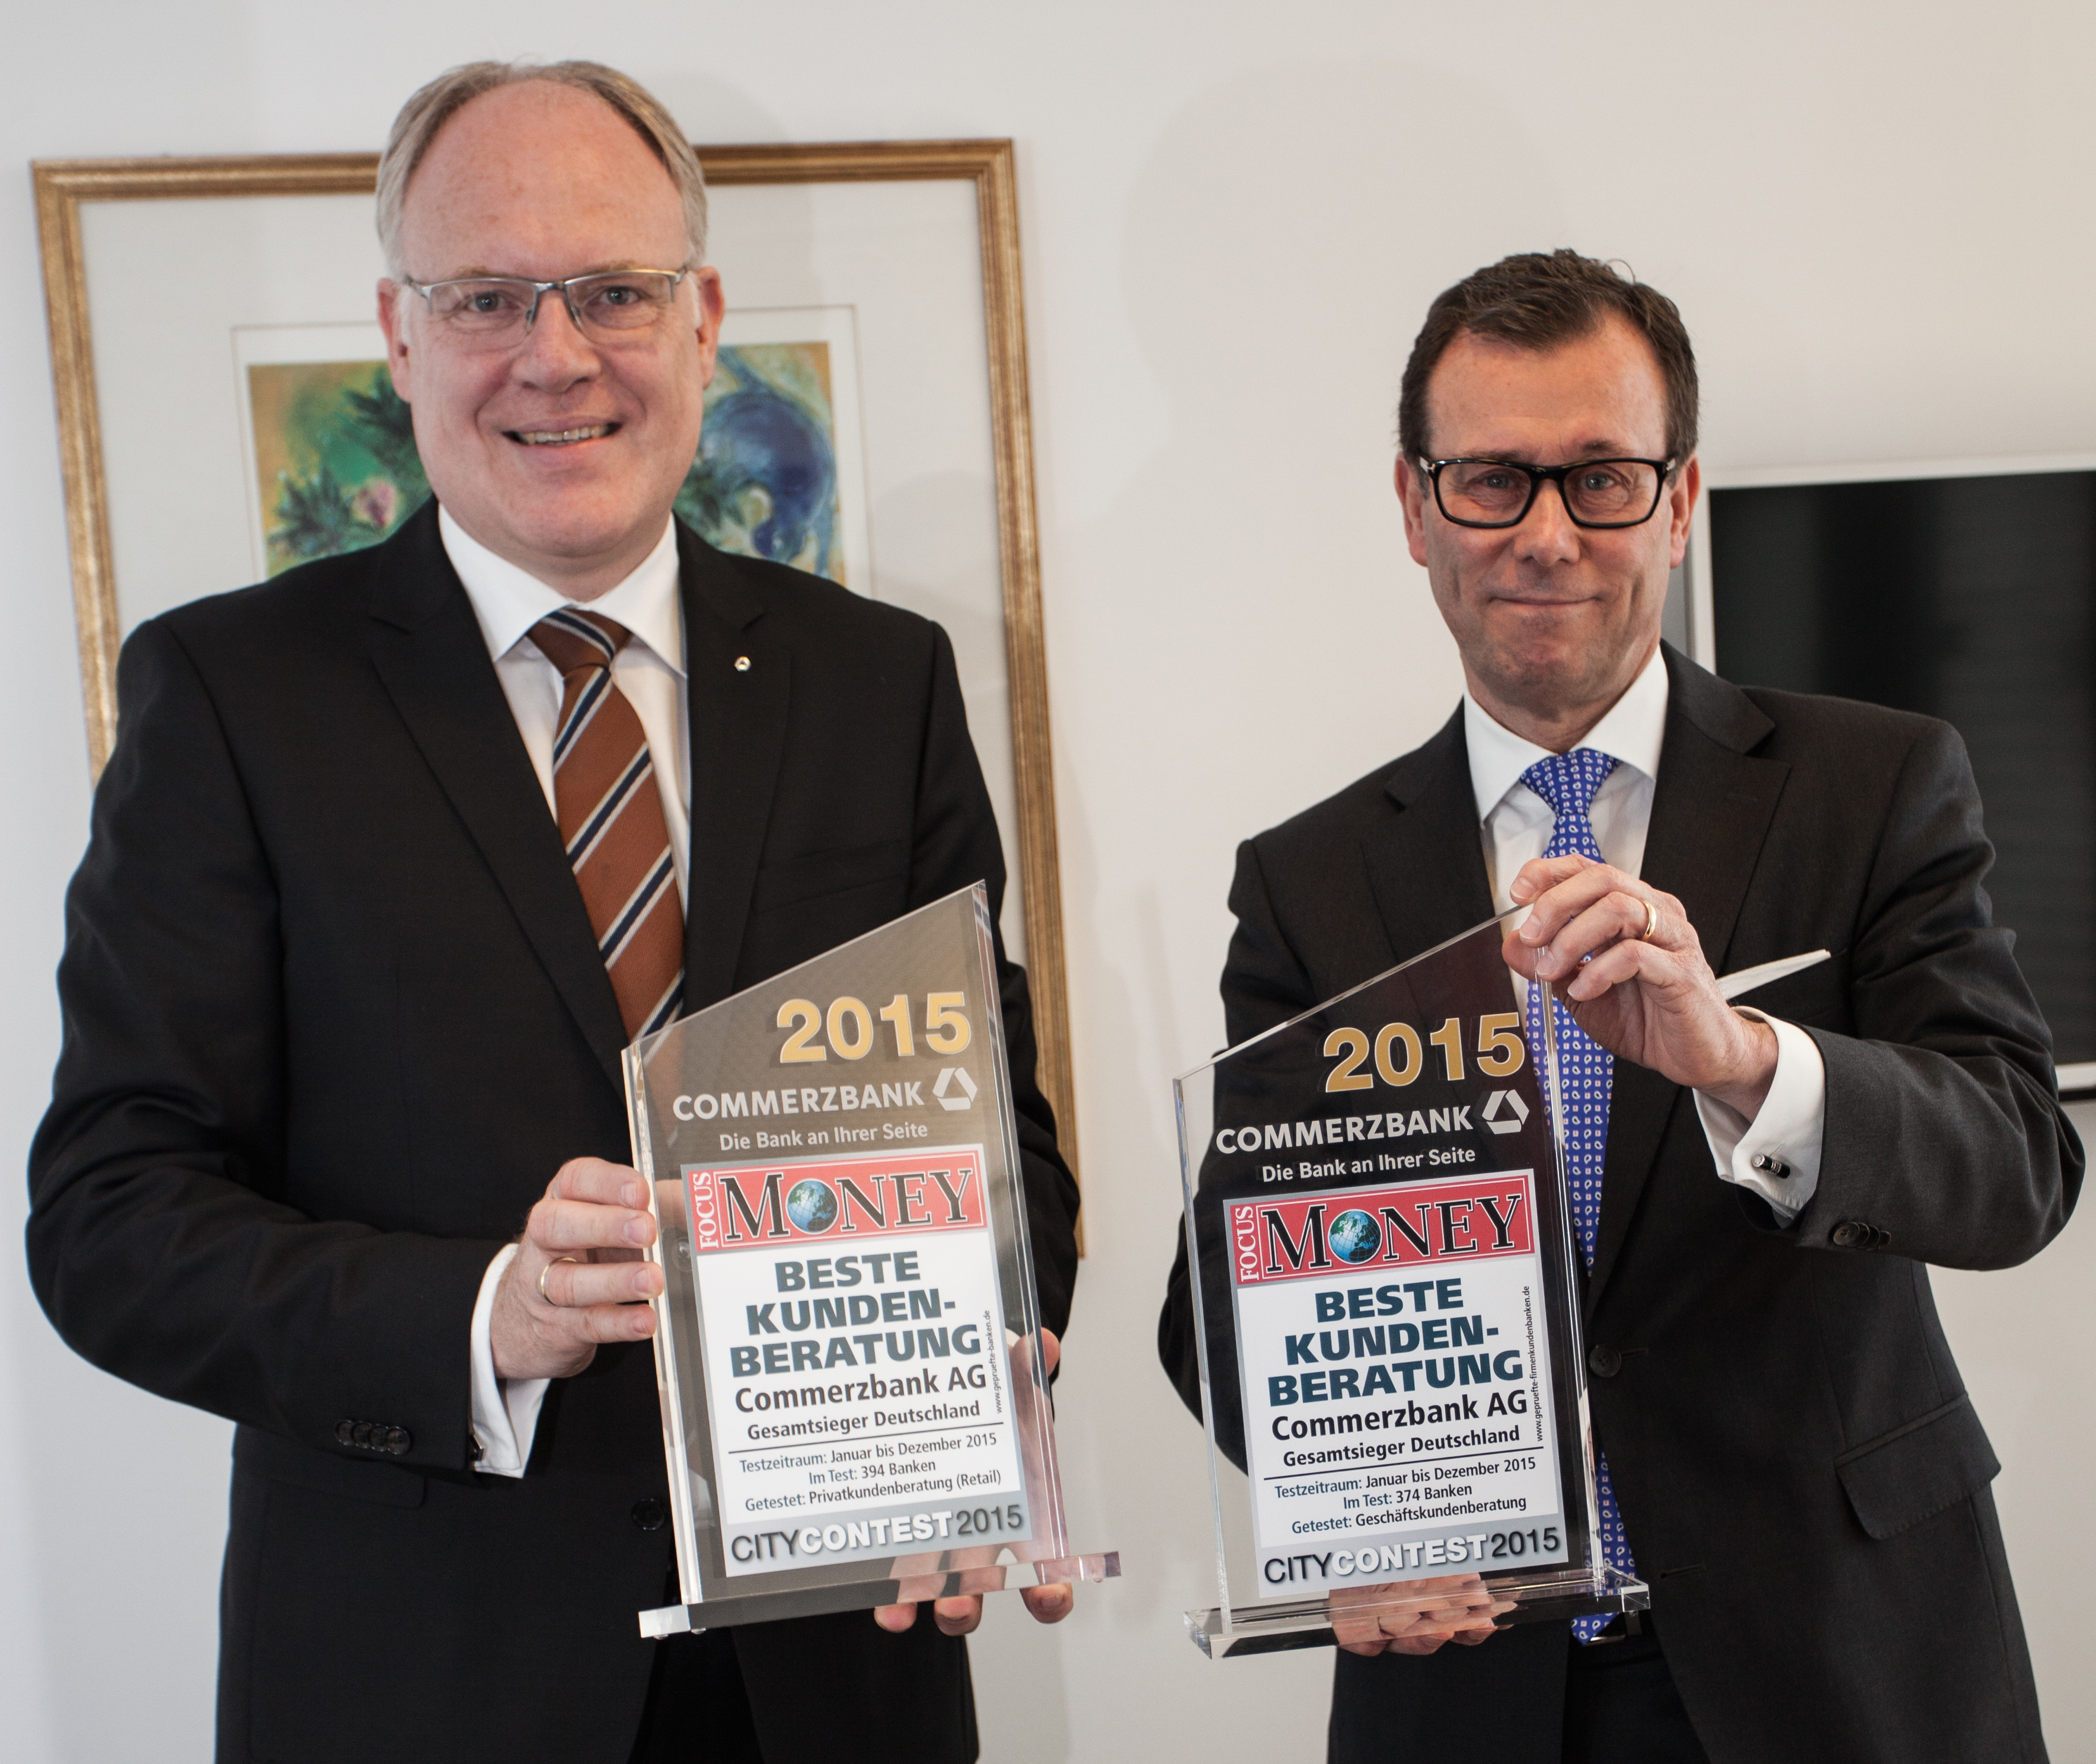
x: 334, y: 1014
x: 1803, y: 1480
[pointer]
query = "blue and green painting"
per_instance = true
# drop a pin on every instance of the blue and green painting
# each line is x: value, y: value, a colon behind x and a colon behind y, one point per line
x: 334, y: 452
x: 765, y: 482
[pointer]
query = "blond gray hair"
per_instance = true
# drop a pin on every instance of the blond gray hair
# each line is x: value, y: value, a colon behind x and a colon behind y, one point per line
x: 429, y: 109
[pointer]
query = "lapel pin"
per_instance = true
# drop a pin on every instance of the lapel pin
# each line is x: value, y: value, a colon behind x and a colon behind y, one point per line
x: 742, y: 664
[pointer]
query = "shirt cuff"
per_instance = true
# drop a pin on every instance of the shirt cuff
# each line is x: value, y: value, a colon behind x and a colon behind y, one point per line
x: 1776, y: 1155
x: 505, y: 1410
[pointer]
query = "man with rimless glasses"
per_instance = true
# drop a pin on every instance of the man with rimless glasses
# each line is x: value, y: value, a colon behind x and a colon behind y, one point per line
x: 1784, y: 1452
x: 395, y: 855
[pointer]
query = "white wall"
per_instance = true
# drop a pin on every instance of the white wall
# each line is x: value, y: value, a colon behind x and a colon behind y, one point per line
x: 1875, y: 218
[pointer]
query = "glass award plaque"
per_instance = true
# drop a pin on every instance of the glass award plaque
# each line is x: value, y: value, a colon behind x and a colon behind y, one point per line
x: 1387, y: 1313
x: 848, y: 1347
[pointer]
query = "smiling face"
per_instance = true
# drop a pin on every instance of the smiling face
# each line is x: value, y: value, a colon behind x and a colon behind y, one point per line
x: 1553, y: 621
x: 563, y: 453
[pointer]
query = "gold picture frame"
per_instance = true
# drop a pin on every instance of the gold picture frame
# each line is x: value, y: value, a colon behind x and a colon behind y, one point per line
x: 65, y: 188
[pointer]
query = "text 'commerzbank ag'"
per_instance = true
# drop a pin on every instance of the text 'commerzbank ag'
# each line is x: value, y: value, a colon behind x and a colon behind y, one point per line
x: 1396, y: 1367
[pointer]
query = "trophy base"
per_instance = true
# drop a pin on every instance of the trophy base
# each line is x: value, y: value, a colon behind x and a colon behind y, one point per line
x: 866, y: 1595
x: 1560, y: 1593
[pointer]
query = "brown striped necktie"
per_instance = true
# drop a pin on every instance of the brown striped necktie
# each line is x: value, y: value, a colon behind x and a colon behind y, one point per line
x: 610, y: 813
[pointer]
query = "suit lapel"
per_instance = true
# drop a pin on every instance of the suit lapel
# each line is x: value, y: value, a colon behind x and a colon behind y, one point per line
x: 1426, y: 863
x: 428, y: 652
x: 738, y: 674
x: 1711, y: 813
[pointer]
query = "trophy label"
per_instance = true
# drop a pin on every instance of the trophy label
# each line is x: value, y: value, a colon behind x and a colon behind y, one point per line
x: 855, y: 1354
x: 1395, y: 1361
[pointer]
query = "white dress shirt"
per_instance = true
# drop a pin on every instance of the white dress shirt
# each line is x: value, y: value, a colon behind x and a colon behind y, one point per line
x: 1515, y: 824
x: 650, y: 671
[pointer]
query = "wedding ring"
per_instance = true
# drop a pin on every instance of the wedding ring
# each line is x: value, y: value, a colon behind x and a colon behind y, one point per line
x: 548, y: 1269
x: 1651, y: 920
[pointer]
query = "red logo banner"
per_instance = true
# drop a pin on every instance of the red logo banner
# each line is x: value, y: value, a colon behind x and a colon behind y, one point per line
x: 839, y: 1201
x: 1366, y: 1230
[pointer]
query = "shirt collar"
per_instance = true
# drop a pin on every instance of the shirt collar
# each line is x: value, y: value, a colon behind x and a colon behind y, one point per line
x: 508, y: 601
x: 1632, y: 733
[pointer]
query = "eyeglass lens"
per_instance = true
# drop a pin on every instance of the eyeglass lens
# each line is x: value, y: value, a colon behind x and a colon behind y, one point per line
x: 496, y: 308
x: 1600, y: 493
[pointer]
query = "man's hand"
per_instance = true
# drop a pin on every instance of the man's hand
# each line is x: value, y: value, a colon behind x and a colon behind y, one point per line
x: 1457, y: 1608
x: 1652, y: 1001
x: 578, y: 1275
x: 961, y: 1615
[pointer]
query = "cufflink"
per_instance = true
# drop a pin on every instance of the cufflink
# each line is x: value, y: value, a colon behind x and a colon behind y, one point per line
x: 1768, y: 1165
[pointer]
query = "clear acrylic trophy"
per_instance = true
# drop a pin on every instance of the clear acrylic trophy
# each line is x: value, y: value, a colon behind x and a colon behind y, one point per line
x: 855, y: 1405
x: 1387, y: 1313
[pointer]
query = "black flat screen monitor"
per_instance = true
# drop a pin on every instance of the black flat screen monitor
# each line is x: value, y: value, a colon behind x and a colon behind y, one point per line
x: 1969, y: 596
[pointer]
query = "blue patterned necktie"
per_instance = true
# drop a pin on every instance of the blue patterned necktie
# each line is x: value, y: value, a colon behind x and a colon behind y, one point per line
x: 1567, y: 782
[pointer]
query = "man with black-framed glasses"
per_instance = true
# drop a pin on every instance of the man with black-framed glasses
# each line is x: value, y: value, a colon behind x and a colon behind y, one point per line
x: 1783, y: 1451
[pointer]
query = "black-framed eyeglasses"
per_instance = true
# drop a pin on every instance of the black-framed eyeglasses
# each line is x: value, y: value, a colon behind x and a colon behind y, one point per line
x: 1598, y: 493
x: 498, y: 311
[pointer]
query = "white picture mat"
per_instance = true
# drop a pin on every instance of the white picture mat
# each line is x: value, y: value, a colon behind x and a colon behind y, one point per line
x: 905, y: 256
x: 174, y: 460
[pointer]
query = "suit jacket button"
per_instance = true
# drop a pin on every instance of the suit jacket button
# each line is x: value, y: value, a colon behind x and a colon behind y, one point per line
x: 1851, y: 1233
x: 345, y: 1433
x: 649, y: 1514
x: 1603, y: 1360
x: 360, y: 1434
x: 398, y: 1440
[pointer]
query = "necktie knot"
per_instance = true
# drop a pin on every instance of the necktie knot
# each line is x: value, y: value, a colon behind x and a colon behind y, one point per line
x: 572, y: 639
x: 1568, y: 781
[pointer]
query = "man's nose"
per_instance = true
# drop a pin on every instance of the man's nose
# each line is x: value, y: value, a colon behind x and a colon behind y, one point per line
x: 555, y: 348
x: 1547, y: 531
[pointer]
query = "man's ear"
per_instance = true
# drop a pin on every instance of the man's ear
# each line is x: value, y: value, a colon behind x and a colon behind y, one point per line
x: 711, y: 306
x: 391, y: 315
x: 1681, y: 509
x: 1412, y: 494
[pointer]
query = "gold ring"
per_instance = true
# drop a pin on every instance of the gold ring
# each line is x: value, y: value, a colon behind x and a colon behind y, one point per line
x: 1651, y: 920
x: 548, y: 1269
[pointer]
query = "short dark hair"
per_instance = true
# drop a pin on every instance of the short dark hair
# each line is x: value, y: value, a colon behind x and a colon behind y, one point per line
x: 1538, y: 300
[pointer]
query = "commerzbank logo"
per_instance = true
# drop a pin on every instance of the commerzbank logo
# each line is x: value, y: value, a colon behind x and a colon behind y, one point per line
x: 953, y: 1088
x: 1503, y: 1112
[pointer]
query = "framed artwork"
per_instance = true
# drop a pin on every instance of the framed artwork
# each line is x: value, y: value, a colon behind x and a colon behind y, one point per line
x: 225, y: 414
